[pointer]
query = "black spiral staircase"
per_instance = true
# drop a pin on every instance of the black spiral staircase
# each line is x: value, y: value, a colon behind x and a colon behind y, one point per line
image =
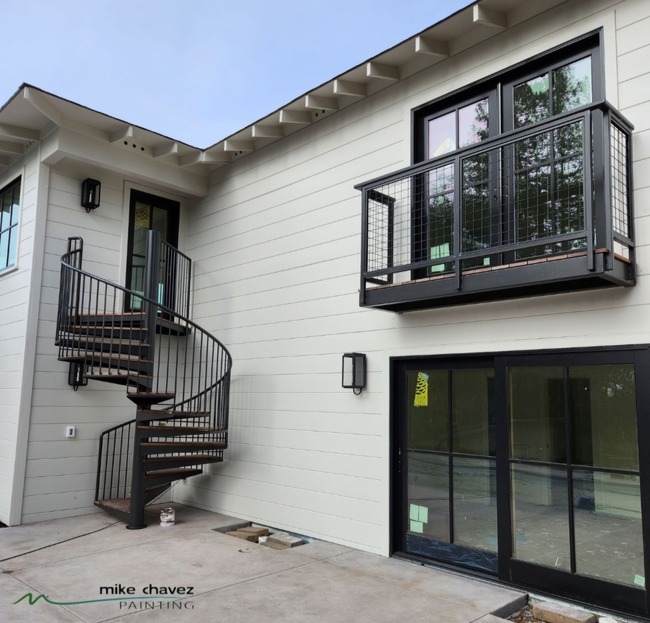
x: 176, y: 373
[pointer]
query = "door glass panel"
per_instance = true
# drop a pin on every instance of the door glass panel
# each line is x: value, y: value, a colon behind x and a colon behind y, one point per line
x: 473, y: 123
x: 428, y: 406
x: 603, y: 416
x: 572, y: 86
x: 537, y: 414
x: 609, y: 540
x: 441, y: 215
x: 479, y: 226
x: 442, y: 135
x: 141, y: 223
x: 540, y: 521
x: 532, y: 101
x: 475, y: 503
x: 149, y: 212
x: 473, y: 412
x: 428, y: 495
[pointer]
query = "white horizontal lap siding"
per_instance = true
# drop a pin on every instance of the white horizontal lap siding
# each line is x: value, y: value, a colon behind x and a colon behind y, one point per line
x: 277, y: 261
x: 60, y: 472
x: 277, y: 255
x: 14, y: 306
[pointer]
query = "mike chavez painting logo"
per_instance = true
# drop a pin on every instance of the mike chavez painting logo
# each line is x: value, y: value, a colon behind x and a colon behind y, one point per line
x: 150, y: 597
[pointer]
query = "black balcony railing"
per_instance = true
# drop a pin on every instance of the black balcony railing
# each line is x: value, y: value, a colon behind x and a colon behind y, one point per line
x: 550, y: 202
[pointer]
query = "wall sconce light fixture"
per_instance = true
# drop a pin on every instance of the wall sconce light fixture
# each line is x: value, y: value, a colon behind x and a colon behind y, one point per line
x: 91, y: 191
x: 353, y: 372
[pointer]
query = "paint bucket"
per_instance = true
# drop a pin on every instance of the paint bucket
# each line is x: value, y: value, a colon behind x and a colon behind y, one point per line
x: 167, y: 517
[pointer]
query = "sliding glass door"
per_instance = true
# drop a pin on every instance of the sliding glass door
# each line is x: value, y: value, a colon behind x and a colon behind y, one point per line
x: 527, y: 466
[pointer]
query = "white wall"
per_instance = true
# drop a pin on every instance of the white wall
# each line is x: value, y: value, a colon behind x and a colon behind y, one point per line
x: 60, y: 473
x: 276, y: 248
x: 14, y: 337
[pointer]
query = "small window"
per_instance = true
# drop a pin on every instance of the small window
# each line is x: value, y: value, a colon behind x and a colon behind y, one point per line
x: 9, y: 217
x: 556, y: 91
x: 460, y: 127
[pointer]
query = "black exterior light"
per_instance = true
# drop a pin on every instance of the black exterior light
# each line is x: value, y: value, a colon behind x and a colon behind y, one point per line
x: 91, y: 191
x: 353, y: 372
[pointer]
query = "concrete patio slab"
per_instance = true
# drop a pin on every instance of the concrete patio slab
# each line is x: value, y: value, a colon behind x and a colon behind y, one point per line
x: 92, y: 569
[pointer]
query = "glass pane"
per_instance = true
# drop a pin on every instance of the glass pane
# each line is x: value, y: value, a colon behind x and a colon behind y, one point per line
x: 473, y: 123
x: 568, y: 193
x: 442, y: 135
x: 473, y: 411
x: 5, y: 217
x: 13, y: 245
x: 15, y: 212
x: 441, y: 215
x: 603, y: 416
x: 537, y: 414
x: 572, y: 86
x: 531, y: 101
x: 475, y: 503
x: 539, y: 515
x: 478, y: 227
x: 428, y: 495
x: 428, y: 409
x: 4, y: 249
x: 159, y: 221
x: 533, y: 189
x: 609, y: 542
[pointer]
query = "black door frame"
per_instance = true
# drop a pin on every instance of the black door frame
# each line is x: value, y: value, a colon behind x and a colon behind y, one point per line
x: 618, y: 597
x: 171, y: 207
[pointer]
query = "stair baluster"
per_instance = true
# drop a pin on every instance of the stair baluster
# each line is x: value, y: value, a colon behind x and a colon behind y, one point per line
x: 176, y: 373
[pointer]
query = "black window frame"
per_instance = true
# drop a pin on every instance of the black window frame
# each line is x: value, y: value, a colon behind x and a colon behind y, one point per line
x: 588, y: 44
x: 12, y: 228
x: 498, y: 89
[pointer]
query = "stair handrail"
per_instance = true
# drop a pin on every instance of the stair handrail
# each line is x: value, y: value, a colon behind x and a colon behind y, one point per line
x: 84, y: 291
x: 187, y: 379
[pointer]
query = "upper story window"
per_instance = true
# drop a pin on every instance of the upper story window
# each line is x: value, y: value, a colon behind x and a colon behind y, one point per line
x: 9, y: 217
x: 543, y: 172
x: 521, y: 182
x: 462, y: 125
x: 553, y: 92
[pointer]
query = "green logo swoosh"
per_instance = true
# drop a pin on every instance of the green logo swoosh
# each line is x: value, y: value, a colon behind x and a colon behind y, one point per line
x: 32, y: 600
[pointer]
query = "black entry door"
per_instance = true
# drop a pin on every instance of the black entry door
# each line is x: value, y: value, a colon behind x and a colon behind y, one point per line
x: 528, y: 467
x: 147, y: 212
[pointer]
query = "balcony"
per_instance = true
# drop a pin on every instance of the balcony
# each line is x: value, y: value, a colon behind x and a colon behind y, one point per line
x: 541, y: 209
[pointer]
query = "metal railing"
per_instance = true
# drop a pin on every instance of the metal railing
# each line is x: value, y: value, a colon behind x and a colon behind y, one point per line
x: 159, y: 354
x: 115, y: 462
x: 560, y: 186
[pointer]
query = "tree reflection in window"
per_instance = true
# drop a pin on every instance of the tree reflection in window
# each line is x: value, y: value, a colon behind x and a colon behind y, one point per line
x: 554, y: 92
x: 549, y: 167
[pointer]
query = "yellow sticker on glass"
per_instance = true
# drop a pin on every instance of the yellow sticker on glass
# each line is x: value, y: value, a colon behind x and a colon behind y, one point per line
x: 422, y: 390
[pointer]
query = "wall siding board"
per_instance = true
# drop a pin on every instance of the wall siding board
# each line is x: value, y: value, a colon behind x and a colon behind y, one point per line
x: 279, y: 233
x: 67, y: 467
x: 14, y: 306
x: 275, y: 246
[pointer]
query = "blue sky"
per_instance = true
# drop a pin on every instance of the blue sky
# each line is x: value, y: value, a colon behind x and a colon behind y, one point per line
x: 197, y: 70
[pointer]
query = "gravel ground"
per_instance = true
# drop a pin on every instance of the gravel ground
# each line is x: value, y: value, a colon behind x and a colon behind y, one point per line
x: 525, y: 615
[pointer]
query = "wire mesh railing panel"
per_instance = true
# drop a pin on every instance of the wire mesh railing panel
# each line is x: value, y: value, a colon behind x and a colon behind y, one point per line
x: 525, y: 196
x: 619, y: 180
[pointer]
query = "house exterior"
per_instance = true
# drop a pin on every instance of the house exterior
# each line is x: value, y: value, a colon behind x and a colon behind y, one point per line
x: 467, y: 209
